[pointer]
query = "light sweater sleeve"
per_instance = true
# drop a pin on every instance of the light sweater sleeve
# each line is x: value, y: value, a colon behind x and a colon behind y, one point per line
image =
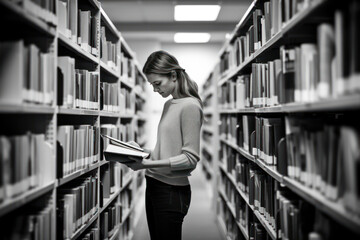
x: 190, y: 130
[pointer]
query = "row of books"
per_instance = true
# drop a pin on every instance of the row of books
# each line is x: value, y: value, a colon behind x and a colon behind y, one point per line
x: 77, y: 204
x: 304, y: 156
x: 109, y: 51
x: 267, y: 20
x: 110, y: 220
x: 113, y: 99
x: 35, y: 221
x: 78, y: 148
x: 111, y: 180
x: 304, y: 73
x: 257, y: 185
x: 290, y: 216
x: 140, y: 81
x: 228, y: 221
x: 91, y: 234
x: 44, y: 9
x: 26, y: 162
x: 323, y: 155
x: 127, y: 69
x: 77, y: 88
x: 32, y: 73
x: 81, y: 26
x: 123, y: 132
x: 207, y: 137
x: 298, y: 147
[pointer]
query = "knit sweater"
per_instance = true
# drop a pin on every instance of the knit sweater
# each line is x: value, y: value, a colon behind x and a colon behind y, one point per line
x: 178, y: 139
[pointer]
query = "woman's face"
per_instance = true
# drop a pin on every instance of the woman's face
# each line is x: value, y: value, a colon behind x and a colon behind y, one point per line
x: 162, y: 84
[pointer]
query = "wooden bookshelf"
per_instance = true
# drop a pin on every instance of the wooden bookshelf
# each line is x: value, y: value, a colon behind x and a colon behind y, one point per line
x: 61, y: 45
x: 109, y: 70
x: 334, y: 209
x: 291, y: 32
x: 78, y: 111
x: 76, y: 49
x: 72, y: 176
x: 109, y: 114
x: 26, y: 108
x: 21, y: 200
x: 28, y: 18
x: 85, y: 227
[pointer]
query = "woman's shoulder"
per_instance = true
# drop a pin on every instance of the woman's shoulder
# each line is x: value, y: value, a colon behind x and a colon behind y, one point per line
x: 191, y: 104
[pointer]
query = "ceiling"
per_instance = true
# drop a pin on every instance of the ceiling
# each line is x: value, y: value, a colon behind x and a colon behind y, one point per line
x: 154, y: 19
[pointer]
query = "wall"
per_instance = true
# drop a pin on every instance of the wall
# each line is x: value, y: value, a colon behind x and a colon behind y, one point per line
x: 197, y: 59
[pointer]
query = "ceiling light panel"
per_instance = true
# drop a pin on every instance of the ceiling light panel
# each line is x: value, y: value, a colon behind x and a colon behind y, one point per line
x: 196, y: 12
x: 192, y: 37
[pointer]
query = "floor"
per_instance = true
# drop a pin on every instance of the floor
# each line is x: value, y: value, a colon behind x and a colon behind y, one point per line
x: 200, y: 223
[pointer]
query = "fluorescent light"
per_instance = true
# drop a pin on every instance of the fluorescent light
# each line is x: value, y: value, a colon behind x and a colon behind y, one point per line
x: 191, y: 37
x: 196, y: 12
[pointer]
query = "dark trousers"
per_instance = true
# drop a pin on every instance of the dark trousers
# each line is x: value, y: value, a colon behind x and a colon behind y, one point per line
x: 166, y: 206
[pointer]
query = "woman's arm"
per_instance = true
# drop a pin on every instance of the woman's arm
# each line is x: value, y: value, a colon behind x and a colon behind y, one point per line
x: 145, y: 164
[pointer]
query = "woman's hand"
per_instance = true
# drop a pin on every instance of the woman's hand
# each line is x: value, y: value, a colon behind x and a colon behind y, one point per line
x: 145, y: 164
x: 133, y: 143
x: 138, y: 165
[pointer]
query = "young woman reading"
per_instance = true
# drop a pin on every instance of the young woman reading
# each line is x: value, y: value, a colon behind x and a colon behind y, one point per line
x: 176, y: 153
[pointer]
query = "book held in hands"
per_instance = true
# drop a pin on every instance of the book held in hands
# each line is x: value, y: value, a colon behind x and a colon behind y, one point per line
x: 122, y: 152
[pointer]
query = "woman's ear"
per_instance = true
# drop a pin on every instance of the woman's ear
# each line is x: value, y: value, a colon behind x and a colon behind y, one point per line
x: 173, y: 76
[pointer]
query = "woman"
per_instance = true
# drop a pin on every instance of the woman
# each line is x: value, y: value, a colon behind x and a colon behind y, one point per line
x: 176, y: 152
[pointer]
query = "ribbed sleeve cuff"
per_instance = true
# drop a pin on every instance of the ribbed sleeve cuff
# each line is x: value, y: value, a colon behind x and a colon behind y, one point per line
x: 179, y: 162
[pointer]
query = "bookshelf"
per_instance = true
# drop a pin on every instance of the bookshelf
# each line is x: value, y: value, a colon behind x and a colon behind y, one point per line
x: 257, y: 164
x: 88, y: 83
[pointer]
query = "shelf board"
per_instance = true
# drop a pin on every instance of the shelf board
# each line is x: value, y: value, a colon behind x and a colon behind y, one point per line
x: 126, y: 215
x: 139, y: 94
x: 110, y: 200
x: 269, y: 229
x: 95, y: 4
x: 232, y: 210
x: 207, y: 148
x: 126, y: 83
x: 127, y: 115
x: 109, y: 114
x: 109, y: 70
x: 271, y: 170
x: 109, y: 24
x: 128, y: 179
x: 207, y: 167
x: 115, y: 234
x: 14, y: 203
x: 72, y: 176
x: 302, y: 15
x: 207, y: 129
x: 75, y: 48
x: 84, y: 227
x: 29, y: 18
x: 238, y: 149
x: 208, y: 111
x: 271, y: 43
x: 222, y: 227
x: 26, y: 109
x: 350, y: 102
x: 333, y: 209
x: 125, y: 47
x: 78, y: 111
x: 208, y: 92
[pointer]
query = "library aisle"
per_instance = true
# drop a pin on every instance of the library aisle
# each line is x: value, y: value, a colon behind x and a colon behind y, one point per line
x: 200, y: 223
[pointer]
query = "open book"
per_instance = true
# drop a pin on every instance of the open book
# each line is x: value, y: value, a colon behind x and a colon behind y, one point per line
x: 119, y: 151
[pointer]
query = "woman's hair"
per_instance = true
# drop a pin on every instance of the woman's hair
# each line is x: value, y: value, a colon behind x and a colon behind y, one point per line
x: 163, y: 63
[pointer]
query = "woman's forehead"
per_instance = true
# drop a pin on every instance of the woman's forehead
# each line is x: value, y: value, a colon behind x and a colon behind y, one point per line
x: 154, y: 77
